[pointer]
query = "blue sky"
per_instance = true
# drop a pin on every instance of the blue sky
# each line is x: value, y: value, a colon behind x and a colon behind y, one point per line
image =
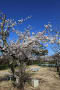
x: 42, y: 11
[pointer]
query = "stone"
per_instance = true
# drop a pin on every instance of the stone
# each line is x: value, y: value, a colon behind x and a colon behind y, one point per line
x: 35, y: 83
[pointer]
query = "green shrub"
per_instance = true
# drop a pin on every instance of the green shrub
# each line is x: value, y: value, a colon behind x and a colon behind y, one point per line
x: 3, y: 67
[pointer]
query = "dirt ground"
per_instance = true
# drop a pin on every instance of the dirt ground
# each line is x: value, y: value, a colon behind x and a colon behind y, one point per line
x: 49, y: 79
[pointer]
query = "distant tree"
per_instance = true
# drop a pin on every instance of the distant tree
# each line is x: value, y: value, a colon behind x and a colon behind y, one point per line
x: 56, y: 57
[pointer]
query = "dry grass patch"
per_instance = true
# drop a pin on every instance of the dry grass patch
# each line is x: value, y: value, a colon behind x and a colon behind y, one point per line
x: 49, y: 79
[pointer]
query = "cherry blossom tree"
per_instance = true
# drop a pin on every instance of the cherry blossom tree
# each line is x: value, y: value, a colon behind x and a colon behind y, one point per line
x: 55, y: 41
x: 27, y: 47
